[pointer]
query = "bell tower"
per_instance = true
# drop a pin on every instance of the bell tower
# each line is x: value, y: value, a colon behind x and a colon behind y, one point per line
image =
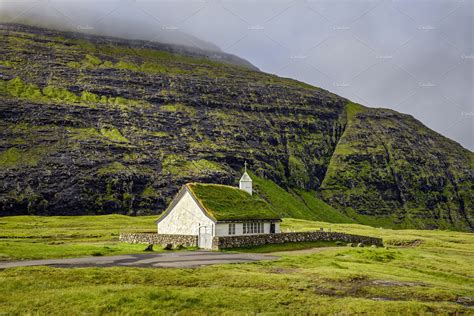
x: 245, y: 181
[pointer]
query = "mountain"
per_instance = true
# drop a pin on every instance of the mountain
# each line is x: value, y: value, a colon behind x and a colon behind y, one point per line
x: 94, y: 125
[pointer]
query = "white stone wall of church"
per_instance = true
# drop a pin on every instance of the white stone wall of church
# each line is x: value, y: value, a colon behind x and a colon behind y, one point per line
x: 277, y: 228
x: 266, y: 228
x: 223, y: 229
x: 185, y: 218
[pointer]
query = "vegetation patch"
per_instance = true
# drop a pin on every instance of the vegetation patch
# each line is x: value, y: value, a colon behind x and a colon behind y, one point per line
x: 150, y: 192
x: 113, y: 168
x: 15, y: 157
x: 113, y: 134
x: 178, y: 166
x: 224, y: 202
x: 16, y: 87
x: 179, y: 107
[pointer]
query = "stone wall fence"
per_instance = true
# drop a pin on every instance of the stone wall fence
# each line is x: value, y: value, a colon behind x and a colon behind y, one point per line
x: 159, y: 239
x: 222, y: 242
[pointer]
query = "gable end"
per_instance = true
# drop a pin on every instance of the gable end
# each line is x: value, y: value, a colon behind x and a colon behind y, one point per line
x: 184, y: 189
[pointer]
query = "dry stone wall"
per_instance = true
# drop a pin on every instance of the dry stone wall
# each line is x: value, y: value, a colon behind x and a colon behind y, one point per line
x: 222, y: 242
x: 159, y: 239
x: 258, y: 240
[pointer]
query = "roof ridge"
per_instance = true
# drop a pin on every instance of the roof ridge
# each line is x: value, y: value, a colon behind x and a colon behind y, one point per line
x: 216, y: 184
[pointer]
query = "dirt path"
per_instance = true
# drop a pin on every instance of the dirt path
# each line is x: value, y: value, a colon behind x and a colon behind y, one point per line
x: 182, y: 259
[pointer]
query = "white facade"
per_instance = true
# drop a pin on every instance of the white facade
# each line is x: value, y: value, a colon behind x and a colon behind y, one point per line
x: 245, y: 183
x: 185, y: 218
x: 222, y: 229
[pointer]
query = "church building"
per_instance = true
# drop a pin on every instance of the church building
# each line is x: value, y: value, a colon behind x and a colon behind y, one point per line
x: 209, y: 210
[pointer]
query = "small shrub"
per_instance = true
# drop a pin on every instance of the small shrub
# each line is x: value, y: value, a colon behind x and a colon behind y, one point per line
x: 103, y: 100
x: 16, y: 87
x: 3, y: 86
x: 360, y: 245
x: 339, y: 243
x: 107, y: 64
x: 60, y: 94
x: 113, y: 134
x: 350, y: 245
x: 97, y: 254
x: 89, y: 97
x: 31, y: 91
x: 168, y: 247
x: 126, y: 65
x: 92, y: 61
x: 73, y: 64
x: 10, y: 157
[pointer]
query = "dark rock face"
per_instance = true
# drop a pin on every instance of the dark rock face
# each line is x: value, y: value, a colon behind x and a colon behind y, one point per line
x: 180, y: 119
x: 98, y: 125
x: 389, y: 164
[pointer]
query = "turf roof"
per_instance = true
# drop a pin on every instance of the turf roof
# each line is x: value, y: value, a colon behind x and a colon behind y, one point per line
x: 226, y: 203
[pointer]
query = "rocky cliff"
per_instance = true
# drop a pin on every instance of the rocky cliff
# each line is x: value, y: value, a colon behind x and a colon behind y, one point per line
x: 93, y: 125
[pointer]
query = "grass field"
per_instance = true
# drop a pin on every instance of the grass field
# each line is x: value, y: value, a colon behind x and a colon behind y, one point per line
x: 37, y: 237
x: 420, y: 272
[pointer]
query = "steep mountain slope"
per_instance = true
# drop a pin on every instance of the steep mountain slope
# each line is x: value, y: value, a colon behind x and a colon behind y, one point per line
x: 105, y: 125
x: 388, y: 165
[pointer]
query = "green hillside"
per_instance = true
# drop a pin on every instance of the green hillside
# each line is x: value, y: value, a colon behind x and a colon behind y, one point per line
x: 297, y: 203
x: 96, y: 125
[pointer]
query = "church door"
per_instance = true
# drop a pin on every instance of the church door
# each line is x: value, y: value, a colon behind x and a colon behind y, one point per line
x: 272, y: 228
x: 205, y: 237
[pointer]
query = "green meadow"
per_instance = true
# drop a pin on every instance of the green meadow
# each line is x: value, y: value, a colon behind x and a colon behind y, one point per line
x: 418, y: 272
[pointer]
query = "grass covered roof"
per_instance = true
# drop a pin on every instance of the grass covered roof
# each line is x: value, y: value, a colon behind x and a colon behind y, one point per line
x: 226, y: 203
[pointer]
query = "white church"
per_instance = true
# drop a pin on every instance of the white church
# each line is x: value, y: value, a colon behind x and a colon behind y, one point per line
x: 208, y: 210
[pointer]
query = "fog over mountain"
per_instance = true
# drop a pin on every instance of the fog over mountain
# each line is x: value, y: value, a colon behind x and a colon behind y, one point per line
x: 416, y: 57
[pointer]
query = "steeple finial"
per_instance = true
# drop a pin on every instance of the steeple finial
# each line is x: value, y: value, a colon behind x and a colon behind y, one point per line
x: 246, y: 182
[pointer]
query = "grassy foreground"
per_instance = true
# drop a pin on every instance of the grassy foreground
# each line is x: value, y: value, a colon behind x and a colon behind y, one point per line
x: 39, y: 237
x: 420, y: 272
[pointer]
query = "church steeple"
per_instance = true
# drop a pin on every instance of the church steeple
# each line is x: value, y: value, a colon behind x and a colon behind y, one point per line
x: 245, y: 181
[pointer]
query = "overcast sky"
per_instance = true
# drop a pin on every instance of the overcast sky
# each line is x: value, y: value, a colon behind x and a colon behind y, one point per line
x: 413, y: 56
